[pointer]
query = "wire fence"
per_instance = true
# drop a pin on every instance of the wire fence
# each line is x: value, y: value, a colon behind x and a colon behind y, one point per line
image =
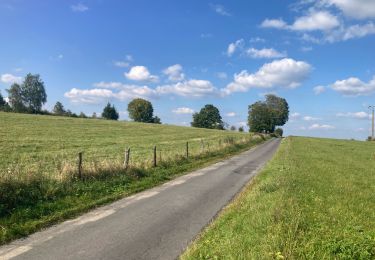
x: 65, y: 164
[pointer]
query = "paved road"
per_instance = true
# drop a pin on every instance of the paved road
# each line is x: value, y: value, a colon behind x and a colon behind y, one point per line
x: 155, y: 224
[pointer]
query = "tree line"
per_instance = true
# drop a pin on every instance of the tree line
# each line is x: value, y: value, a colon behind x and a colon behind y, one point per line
x: 263, y: 116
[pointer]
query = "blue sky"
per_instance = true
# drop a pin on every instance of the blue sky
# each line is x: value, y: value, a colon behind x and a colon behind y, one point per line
x: 181, y: 55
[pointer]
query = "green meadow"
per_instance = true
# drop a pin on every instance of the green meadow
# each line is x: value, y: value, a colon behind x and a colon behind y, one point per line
x: 314, y: 200
x: 38, y: 164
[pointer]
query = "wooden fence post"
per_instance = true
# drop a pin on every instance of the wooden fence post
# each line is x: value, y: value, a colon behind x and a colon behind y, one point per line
x: 80, y: 165
x: 155, y: 156
x: 127, y: 157
x: 187, y: 150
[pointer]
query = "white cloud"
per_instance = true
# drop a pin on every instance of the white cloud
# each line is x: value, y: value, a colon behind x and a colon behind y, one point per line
x: 121, y: 64
x: 183, y: 110
x: 354, y: 87
x: 264, y: 53
x: 274, y: 23
x: 306, y: 48
x: 321, y: 127
x: 222, y: 75
x: 219, y: 9
x: 231, y: 114
x: 174, y: 73
x: 358, y: 31
x: 286, y: 73
x: 295, y: 115
x: 356, y: 115
x: 10, y: 78
x: 256, y: 39
x: 319, y: 90
x: 189, y: 88
x: 89, y: 96
x: 310, y: 118
x: 232, y: 47
x: 79, y: 8
x: 140, y: 73
x: 320, y: 20
x: 360, y: 9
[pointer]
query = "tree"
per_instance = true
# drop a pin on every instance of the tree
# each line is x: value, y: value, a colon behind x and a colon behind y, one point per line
x: 58, y: 109
x: 141, y: 110
x: 110, y: 112
x: 29, y: 96
x: 2, y: 102
x: 15, y: 97
x: 240, y: 129
x: 94, y: 115
x: 208, y: 117
x: 33, y: 93
x: 266, y: 115
x: 233, y: 128
x: 279, y: 132
x: 82, y: 115
x: 279, y: 109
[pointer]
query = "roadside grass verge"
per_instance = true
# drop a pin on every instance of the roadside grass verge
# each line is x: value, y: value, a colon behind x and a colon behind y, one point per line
x: 314, y: 200
x: 42, y: 201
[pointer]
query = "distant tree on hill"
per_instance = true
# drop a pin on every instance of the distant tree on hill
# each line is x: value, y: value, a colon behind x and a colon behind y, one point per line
x: 28, y: 97
x: 266, y: 115
x: 110, y: 112
x: 94, y: 115
x: 208, y: 117
x: 82, y: 115
x: 58, y: 109
x: 233, y: 128
x: 241, y: 129
x: 141, y: 110
x: 279, y: 132
x: 2, y: 102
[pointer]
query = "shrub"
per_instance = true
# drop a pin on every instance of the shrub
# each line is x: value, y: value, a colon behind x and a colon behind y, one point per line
x: 279, y: 132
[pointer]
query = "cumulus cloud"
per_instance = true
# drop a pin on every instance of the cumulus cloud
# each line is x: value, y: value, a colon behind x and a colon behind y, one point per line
x: 140, y: 73
x: 232, y: 47
x: 319, y: 90
x: 359, y: 9
x: 174, y: 73
x: 310, y: 118
x: 313, y: 21
x: 8, y: 78
x: 356, y: 115
x: 231, y: 114
x: 219, y: 9
x: 321, y: 127
x: 295, y: 115
x: 79, y: 8
x: 189, y: 88
x: 183, y: 110
x: 354, y: 87
x: 88, y: 96
x: 274, y: 23
x: 286, y: 73
x: 264, y: 53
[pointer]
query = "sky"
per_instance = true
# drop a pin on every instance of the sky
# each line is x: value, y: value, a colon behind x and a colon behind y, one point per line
x: 180, y: 55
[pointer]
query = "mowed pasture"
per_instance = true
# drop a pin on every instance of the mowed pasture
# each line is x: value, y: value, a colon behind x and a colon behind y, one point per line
x: 50, y: 145
x: 314, y: 200
x: 39, y: 184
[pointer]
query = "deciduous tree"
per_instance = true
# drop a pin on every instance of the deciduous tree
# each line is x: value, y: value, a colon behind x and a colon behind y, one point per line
x: 208, y: 117
x: 110, y: 112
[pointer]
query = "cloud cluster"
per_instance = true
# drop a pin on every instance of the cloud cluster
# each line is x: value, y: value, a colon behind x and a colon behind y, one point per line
x: 234, y: 46
x: 183, y: 110
x: 174, y: 73
x: 321, y: 127
x: 264, y: 53
x: 8, y: 78
x: 287, y: 73
x: 355, y: 115
x: 354, y: 87
x: 140, y: 73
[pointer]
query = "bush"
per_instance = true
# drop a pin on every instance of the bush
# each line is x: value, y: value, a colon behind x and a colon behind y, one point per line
x: 279, y: 132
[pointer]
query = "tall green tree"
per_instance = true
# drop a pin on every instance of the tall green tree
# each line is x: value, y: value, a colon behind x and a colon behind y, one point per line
x: 266, y: 115
x: 29, y: 96
x: 110, y: 112
x: 208, y: 117
x: 59, y: 109
x: 2, y: 101
x: 15, y: 97
x: 141, y: 110
x: 33, y: 93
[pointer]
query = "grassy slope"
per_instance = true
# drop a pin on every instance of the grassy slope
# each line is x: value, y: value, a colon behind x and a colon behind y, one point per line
x: 314, y: 200
x: 28, y: 204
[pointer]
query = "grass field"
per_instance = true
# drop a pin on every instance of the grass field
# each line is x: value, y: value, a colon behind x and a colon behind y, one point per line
x: 314, y: 200
x: 38, y: 164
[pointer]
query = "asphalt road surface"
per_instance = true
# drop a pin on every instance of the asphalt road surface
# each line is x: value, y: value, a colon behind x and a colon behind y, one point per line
x: 155, y: 224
